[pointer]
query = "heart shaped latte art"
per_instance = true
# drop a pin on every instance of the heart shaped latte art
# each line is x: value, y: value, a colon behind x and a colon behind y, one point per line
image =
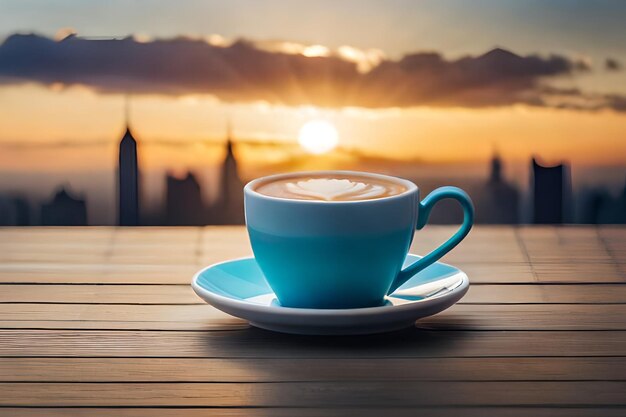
x: 331, y: 189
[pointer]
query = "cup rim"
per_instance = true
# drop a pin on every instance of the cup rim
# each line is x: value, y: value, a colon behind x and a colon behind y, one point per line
x: 410, y: 186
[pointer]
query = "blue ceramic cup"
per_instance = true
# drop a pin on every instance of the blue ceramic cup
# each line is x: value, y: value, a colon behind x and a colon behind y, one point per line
x: 342, y: 254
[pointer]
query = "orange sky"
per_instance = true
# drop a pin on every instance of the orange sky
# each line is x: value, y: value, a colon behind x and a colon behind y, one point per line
x: 34, y: 114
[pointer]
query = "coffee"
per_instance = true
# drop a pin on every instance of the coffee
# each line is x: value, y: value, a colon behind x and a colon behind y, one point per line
x: 333, y: 187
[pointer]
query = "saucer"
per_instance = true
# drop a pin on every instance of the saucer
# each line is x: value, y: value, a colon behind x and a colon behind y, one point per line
x: 238, y: 288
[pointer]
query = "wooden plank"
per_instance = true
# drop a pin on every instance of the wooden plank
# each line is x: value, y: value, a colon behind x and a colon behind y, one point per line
x: 15, y: 235
x: 312, y: 394
x: 569, y: 245
x: 205, y: 317
x: 255, y: 343
x: 183, y: 294
x: 328, y: 369
x: 593, y: 273
x: 37, y: 254
x: 557, y: 252
x: 221, y: 243
x: 614, y: 238
x: 97, y: 316
x: 482, y: 245
x: 176, y: 239
x: 316, y: 412
x: 99, y: 294
x: 529, y: 317
x: 546, y: 294
x: 497, y: 273
x: 96, y: 274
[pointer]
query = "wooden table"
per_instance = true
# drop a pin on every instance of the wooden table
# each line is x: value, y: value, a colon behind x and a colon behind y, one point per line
x: 105, y: 318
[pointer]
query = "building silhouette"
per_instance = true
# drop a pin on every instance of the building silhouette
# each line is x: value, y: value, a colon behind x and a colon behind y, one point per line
x: 128, y: 181
x: 498, y: 201
x: 64, y: 210
x: 23, y: 211
x: 183, y: 201
x: 14, y: 211
x: 228, y: 208
x: 8, y: 211
x: 604, y: 208
x: 495, y: 174
x: 594, y: 205
x: 550, y: 187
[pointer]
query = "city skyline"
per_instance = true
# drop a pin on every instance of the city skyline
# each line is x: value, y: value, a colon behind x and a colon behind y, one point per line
x: 549, y: 200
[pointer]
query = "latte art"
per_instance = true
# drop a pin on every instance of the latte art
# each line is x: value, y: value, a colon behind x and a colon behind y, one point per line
x: 331, y: 188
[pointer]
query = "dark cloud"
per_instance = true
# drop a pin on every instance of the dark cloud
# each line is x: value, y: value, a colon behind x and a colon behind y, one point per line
x: 244, y: 72
x: 496, y: 78
x: 612, y: 64
x: 615, y: 101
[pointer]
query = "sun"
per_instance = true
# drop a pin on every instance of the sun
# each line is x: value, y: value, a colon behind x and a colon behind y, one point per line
x: 318, y: 137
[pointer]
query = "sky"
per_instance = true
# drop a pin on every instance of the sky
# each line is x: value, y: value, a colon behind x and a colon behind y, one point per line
x: 430, y: 81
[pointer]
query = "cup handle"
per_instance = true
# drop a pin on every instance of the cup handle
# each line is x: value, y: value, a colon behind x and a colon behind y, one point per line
x: 425, y: 207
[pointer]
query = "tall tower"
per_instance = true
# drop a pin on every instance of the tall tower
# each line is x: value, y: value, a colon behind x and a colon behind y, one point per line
x: 499, y: 199
x: 128, y: 179
x: 229, y: 167
x: 230, y: 208
x: 550, y: 186
x: 496, y: 169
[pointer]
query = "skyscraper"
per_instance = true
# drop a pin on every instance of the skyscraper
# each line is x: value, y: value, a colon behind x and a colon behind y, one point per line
x: 495, y: 176
x: 8, y: 211
x: 229, y: 207
x: 550, y: 191
x: 128, y: 181
x: 604, y: 208
x: 14, y: 211
x: 64, y: 210
x: 499, y: 200
x: 184, y: 201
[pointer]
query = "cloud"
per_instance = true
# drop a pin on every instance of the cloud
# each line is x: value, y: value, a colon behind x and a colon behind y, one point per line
x: 244, y: 71
x: 612, y: 64
x: 616, y: 102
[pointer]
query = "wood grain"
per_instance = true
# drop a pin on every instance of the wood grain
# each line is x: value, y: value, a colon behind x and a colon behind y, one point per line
x: 312, y: 394
x: 317, y: 412
x: 303, y: 370
x: 103, y: 319
x: 256, y: 343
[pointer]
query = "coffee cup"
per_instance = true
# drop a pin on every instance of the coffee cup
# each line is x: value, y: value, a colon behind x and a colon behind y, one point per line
x: 339, y: 239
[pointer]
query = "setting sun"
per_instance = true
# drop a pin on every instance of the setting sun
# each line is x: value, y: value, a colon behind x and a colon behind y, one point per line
x: 318, y: 137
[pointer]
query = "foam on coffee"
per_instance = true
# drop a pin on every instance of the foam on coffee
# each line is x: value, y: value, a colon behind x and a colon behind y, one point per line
x: 330, y: 188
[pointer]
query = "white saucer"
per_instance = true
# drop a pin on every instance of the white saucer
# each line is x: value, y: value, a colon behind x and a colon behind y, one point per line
x: 238, y: 287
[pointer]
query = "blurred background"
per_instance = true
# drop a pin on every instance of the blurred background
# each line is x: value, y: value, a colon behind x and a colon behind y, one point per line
x: 157, y: 113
